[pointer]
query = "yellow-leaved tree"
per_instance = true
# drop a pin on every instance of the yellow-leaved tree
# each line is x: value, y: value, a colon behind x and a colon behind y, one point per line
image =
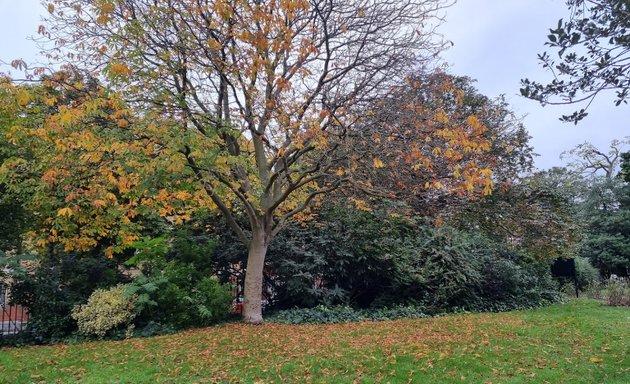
x: 86, y: 167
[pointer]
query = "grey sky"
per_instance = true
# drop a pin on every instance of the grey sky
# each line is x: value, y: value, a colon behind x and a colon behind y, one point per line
x: 496, y: 42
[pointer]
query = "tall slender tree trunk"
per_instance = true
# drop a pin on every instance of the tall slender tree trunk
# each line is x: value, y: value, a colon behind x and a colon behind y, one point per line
x: 252, y: 305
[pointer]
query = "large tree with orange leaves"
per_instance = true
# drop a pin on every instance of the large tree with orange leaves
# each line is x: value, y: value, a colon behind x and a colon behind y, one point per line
x: 261, y: 97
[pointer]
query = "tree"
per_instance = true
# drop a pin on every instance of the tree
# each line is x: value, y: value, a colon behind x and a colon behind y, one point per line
x: 593, y: 48
x: 605, y: 210
x: 624, y: 172
x: 87, y: 173
x: 260, y: 95
x: 606, y: 242
x: 588, y: 159
x: 420, y: 128
x: 534, y: 214
x: 16, y: 218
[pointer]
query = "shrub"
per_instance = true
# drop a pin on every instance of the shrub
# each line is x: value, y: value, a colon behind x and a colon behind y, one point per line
x: 105, y: 310
x: 55, y: 285
x: 343, y: 314
x: 173, y: 298
x: 586, y: 274
x: 618, y: 294
x: 175, y: 290
x: 212, y: 301
x: 370, y: 259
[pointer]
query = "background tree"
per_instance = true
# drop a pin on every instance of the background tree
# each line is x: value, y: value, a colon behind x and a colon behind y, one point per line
x: 436, y: 140
x: 534, y: 214
x: 593, y: 47
x: 15, y: 217
x: 624, y: 172
x: 587, y: 159
x: 261, y: 95
x: 604, y: 208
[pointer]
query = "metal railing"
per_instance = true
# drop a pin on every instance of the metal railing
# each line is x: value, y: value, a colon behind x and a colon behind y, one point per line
x: 13, y: 318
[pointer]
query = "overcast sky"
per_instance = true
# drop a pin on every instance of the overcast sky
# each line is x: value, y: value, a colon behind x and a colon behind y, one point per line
x: 496, y: 43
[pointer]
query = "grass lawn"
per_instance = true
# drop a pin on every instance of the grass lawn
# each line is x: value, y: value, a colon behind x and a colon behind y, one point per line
x: 579, y: 342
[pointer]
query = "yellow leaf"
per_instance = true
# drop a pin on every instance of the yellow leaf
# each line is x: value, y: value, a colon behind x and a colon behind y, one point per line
x: 66, y: 117
x: 120, y: 69
x: 51, y: 8
x: 378, y: 163
x: 65, y: 212
x: 23, y: 98
x: 50, y: 101
x: 596, y: 359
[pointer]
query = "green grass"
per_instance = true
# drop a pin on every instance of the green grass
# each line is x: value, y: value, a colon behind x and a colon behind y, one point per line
x: 579, y: 342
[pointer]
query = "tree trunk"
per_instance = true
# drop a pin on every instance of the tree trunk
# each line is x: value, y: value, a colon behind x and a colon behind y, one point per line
x: 252, y: 304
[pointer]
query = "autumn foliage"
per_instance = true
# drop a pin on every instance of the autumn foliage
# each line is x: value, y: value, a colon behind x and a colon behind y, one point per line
x: 256, y: 110
x: 86, y: 169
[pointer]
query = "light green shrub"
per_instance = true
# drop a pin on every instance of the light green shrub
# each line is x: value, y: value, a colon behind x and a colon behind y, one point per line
x: 585, y: 272
x: 106, y: 309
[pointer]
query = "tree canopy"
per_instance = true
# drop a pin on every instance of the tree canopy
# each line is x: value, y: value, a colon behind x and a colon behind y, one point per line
x: 258, y: 101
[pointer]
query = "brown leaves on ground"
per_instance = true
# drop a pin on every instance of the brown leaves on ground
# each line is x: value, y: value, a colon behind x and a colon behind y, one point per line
x: 547, y: 345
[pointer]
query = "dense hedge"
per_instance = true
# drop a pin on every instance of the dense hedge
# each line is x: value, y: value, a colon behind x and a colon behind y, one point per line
x: 372, y: 259
x: 346, y: 265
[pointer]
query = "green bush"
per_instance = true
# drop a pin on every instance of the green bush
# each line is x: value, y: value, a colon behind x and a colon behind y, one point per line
x: 58, y: 283
x: 343, y: 314
x: 173, y: 298
x: 212, y: 301
x: 105, y: 310
x: 373, y: 260
x: 175, y: 289
x: 585, y: 273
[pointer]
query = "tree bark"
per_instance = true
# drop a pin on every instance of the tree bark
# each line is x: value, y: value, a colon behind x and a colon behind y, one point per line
x: 252, y: 305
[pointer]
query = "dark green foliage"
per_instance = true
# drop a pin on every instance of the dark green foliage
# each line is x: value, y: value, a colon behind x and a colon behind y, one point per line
x: 373, y: 259
x: 15, y: 221
x: 606, y: 211
x: 346, y: 257
x: 58, y: 283
x: 443, y: 268
x: 586, y: 273
x: 15, y: 218
x: 608, y: 244
x: 176, y: 288
x: 171, y: 300
x: 624, y: 172
x: 343, y: 314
